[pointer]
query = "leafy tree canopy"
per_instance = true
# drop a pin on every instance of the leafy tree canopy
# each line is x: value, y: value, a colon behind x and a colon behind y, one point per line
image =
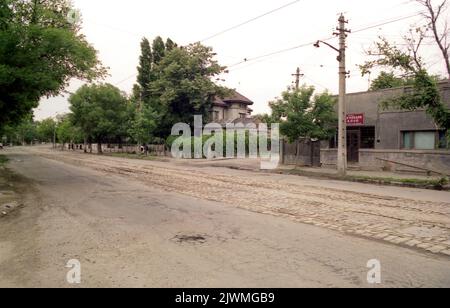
x: 143, y: 124
x: 40, y: 51
x: 184, y: 85
x: 46, y: 129
x: 100, y: 111
x: 305, y: 115
x: 389, y: 80
x: 67, y: 132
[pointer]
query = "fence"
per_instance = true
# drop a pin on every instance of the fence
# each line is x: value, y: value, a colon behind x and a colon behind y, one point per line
x: 308, y: 153
x: 155, y: 150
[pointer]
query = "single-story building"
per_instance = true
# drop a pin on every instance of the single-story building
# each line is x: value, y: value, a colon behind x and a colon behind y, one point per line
x: 395, y: 140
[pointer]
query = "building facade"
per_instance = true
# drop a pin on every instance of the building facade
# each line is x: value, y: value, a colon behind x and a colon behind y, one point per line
x: 231, y: 108
x: 391, y: 139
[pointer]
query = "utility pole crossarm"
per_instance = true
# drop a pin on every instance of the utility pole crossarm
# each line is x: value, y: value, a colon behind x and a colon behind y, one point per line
x: 297, y: 76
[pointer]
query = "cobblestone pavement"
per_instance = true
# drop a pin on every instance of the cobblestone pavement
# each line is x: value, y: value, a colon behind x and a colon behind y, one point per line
x: 411, y: 223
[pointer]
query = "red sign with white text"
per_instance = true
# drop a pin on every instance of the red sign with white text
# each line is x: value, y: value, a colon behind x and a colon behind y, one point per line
x: 355, y: 119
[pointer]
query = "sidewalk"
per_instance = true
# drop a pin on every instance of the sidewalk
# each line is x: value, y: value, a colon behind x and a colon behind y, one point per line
x: 372, y: 177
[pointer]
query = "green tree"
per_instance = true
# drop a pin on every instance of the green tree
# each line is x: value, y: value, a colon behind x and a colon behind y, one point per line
x: 147, y: 73
x: 143, y: 125
x: 67, y: 132
x: 100, y: 111
x: 389, y: 80
x: 170, y: 45
x: 304, y: 115
x: 8, y: 134
x: 46, y: 129
x: 40, y: 52
x: 183, y: 86
x: 26, y: 131
x: 144, y: 71
x: 158, y: 49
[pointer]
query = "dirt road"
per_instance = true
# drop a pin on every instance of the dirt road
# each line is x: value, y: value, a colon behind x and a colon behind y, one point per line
x: 154, y: 224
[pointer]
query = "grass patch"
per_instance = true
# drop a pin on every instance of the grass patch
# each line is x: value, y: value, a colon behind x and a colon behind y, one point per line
x: 419, y: 182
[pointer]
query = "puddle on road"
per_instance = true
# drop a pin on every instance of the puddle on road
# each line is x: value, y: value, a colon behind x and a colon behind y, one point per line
x: 190, y: 239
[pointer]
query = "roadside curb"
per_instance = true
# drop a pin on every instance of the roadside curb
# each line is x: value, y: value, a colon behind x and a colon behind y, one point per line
x: 430, y: 185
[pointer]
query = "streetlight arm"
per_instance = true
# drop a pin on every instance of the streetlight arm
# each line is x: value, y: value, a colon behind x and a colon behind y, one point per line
x: 329, y: 45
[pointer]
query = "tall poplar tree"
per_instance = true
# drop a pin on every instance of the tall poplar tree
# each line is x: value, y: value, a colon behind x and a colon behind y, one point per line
x: 144, y: 77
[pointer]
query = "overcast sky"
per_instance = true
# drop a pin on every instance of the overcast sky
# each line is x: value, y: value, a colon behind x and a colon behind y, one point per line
x: 115, y: 28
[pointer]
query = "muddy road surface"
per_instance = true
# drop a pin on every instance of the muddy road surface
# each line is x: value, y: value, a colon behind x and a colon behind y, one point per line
x: 161, y: 224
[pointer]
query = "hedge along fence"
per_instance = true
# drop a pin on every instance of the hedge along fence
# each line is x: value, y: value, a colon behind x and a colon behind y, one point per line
x: 205, y: 138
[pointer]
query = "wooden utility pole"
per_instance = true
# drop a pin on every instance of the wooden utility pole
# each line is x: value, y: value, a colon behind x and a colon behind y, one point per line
x: 297, y: 76
x: 342, y: 144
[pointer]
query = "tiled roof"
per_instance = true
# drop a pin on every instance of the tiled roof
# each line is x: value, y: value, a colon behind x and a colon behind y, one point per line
x: 235, y: 97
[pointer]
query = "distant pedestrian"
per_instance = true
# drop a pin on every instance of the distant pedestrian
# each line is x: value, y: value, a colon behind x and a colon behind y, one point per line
x: 146, y: 148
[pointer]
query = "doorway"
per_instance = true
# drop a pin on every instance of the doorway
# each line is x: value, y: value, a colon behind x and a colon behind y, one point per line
x: 353, y: 145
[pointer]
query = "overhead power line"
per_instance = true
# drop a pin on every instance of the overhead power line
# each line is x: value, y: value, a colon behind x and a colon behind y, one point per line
x: 126, y: 79
x: 250, y: 20
x: 226, y: 30
x: 388, y: 22
x: 271, y: 54
x: 364, y: 28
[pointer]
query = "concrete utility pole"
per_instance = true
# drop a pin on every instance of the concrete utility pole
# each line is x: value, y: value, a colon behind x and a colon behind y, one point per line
x: 342, y: 146
x: 297, y: 76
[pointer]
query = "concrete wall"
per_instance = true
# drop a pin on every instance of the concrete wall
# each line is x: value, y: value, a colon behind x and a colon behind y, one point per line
x: 369, y: 160
x: 231, y: 113
x: 432, y: 160
x: 222, y: 112
x: 234, y: 111
x: 392, y: 124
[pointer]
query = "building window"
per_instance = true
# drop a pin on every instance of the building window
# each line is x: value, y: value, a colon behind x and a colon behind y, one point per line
x: 242, y: 115
x: 420, y: 140
x: 216, y: 116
